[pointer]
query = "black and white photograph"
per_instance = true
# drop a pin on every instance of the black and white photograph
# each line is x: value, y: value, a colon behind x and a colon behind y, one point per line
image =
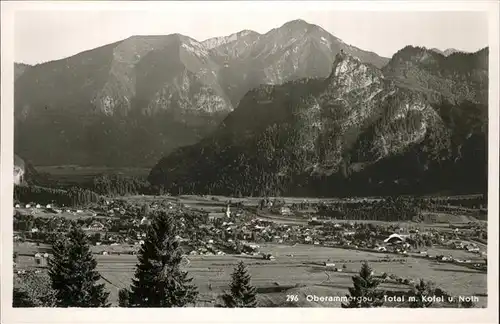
x: 206, y: 155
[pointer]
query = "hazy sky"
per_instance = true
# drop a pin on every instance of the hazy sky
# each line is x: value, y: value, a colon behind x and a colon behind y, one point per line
x: 42, y: 36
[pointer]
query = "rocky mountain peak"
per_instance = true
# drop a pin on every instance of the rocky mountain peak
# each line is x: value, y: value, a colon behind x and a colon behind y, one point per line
x: 295, y: 29
x: 297, y: 23
x: 349, y: 72
x: 246, y: 32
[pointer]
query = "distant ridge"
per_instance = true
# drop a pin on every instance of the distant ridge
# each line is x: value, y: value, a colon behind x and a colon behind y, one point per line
x: 448, y: 51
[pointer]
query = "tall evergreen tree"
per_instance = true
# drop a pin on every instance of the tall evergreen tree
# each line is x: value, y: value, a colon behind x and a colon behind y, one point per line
x: 242, y: 293
x: 419, y: 294
x: 73, y: 274
x: 159, y: 281
x: 364, y: 293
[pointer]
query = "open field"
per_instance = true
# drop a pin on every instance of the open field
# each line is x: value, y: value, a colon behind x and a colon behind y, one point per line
x: 445, y: 218
x: 74, y: 175
x: 82, y: 171
x: 291, y: 200
x: 219, y: 203
x: 295, y: 265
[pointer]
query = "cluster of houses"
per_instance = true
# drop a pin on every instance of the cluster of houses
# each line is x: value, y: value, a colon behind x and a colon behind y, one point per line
x: 49, y: 208
x: 232, y: 231
x: 468, y: 246
x: 208, y: 248
x: 35, y: 205
x: 262, y: 230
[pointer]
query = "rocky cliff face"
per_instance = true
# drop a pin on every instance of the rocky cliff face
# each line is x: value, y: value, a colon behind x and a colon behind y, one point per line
x: 168, y: 71
x: 353, y: 130
x: 134, y: 101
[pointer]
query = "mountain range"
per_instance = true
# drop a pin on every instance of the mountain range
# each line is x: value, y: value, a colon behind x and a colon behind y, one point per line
x: 294, y: 111
x: 419, y: 124
x: 134, y: 101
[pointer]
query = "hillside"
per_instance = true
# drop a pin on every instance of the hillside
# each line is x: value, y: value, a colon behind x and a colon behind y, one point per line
x: 24, y: 172
x: 293, y: 51
x: 127, y: 102
x: 131, y: 102
x: 19, y: 69
x: 360, y: 130
x: 458, y: 76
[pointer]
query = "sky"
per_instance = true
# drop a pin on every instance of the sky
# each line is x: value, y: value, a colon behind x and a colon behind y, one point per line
x: 45, y: 35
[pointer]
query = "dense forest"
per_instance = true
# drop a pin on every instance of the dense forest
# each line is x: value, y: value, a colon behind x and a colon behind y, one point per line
x: 119, y: 185
x: 389, y: 209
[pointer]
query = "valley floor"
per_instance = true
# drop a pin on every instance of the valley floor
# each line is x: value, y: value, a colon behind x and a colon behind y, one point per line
x: 296, y: 270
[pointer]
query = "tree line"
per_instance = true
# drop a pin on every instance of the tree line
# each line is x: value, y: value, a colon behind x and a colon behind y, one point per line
x: 110, y: 185
x: 72, y: 197
x: 388, y: 209
x: 120, y: 185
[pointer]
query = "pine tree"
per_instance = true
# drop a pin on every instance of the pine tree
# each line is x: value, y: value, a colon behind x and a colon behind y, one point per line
x: 123, y: 297
x: 73, y: 274
x: 419, y: 293
x: 242, y: 293
x: 159, y: 281
x: 364, y: 292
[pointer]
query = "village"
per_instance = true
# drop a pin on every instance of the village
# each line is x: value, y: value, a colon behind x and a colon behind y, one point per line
x: 120, y: 226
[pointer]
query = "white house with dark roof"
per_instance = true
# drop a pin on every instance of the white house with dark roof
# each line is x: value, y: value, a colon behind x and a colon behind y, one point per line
x: 395, y: 238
